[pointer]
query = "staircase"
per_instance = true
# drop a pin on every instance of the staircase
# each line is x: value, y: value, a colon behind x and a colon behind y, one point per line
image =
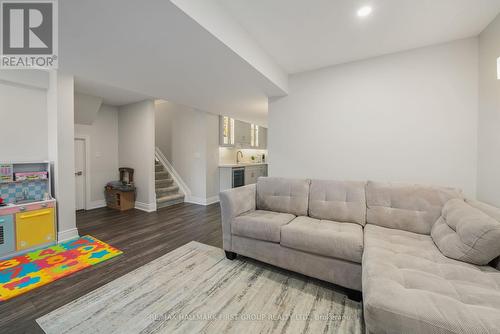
x: 167, y: 192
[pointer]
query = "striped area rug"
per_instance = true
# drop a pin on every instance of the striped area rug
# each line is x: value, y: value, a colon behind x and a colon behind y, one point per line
x: 194, y: 289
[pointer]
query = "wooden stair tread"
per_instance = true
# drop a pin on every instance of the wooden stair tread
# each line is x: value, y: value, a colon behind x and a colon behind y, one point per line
x: 162, y: 175
x: 169, y: 198
x: 164, y: 180
x: 167, y: 189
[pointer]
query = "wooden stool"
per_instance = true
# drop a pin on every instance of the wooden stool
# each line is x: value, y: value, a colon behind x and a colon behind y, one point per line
x: 120, y: 195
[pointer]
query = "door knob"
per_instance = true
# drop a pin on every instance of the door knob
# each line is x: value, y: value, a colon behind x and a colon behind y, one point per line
x: 80, y: 173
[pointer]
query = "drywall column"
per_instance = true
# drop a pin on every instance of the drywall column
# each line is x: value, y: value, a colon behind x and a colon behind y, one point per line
x: 61, y: 151
x: 488, y: 185
x: 136, y: 149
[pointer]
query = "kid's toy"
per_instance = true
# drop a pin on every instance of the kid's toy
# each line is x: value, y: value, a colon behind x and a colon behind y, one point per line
x: 30, y: 176
x: 6, y: 173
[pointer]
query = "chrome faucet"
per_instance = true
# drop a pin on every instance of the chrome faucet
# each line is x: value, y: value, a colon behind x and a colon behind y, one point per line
x: 238, y: 156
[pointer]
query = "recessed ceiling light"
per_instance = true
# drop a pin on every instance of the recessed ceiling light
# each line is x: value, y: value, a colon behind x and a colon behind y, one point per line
x: 365, y: 11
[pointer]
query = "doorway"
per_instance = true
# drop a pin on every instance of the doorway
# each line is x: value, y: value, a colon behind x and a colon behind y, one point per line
x: 80, y: 173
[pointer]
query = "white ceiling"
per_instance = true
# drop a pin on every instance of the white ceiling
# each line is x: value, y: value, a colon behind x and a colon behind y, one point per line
x: 155, y: 49
x: 229, y: 56
x: 110, y: 95
x: 307, y: 34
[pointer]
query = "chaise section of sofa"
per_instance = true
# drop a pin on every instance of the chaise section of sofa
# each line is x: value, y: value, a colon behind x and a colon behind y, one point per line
x: 409, y: 286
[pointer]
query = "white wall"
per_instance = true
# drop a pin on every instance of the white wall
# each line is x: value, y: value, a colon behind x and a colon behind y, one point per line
x: 189, y: 140
x: 407, y: 117
x: 23, y: 115
x: 86, y: 108
x: 212, y: 155
x: 136, y: 149
x: 489, y: 116
x: 164, y: 119
x: 103, y: 152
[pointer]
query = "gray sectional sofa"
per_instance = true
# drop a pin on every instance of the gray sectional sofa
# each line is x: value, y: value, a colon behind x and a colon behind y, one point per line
x: 422, y: 256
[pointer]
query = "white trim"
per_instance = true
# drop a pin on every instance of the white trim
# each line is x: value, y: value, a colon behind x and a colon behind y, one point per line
x: 177, y: 178
x: 202, y: 200
x: 212, y: 200
x: 26, y: 79
x: 22, y: 85
x: 86, y: 140
x: 151, y: 207
x: 96, y: 204
x: 195, y: 200
x: 63, y: 236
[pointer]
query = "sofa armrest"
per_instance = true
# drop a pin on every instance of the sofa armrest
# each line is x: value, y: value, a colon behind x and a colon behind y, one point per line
x: 233, y: 203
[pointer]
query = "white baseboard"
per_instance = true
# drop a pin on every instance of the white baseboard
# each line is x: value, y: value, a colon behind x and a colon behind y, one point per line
x: 96, y: 204
x: 67, y: 235
x: 202, y: 200
x: 195, y: 200
x: 212, y: 200
x: 151, y: 207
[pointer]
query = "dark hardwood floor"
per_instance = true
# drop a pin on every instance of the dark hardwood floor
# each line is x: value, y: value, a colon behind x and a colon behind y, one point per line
x: 142, y: 237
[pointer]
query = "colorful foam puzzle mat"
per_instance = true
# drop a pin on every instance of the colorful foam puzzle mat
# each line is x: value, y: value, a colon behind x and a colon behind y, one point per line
x: 29, y: 271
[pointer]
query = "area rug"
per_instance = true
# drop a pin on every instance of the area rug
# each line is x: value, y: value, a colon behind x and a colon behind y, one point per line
x: 26, y: 272
x: 194, y: 289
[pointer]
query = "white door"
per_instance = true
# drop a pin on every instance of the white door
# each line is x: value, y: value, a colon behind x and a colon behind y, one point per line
x: 80, y: 173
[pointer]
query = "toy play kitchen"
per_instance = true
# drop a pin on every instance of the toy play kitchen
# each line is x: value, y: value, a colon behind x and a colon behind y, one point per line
x: 27, y: 210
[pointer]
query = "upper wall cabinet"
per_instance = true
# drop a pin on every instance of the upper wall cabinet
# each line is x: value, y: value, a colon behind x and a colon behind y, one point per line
x: 242, y: 134
x: 226, y: 131
x: 235, y: 133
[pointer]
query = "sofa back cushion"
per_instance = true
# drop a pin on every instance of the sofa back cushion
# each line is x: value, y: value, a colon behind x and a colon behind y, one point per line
x: 408, y: 207
x: 490, y: 210
x: 341, y: 201
x: 493, y: 212
x: 467, y: 234
x: 283, y: 195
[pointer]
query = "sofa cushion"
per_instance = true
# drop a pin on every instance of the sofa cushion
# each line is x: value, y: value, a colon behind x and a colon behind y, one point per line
x: 493, y: 212
x: 410, y: 287
x: 323, y: 237
x: 490, y: 210
x: 342, y: 201
x: 283, y: 195
x: 261, y: 225
x: 467, y: 234
x: 408, y: 207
